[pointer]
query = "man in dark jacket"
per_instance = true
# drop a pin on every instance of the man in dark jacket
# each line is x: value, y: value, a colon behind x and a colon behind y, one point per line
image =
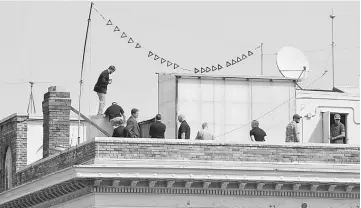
x: 132, y: 128
x: 157, y: 129
x: 114, y: 113
x: 120, y: 131
x: 184, y: 130
x: 101, y: 87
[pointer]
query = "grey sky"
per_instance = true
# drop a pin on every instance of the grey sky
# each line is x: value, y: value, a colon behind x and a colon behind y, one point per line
x: 43, y: 41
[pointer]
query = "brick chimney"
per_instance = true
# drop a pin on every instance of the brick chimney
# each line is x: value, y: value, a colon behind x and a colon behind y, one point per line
x: 56, y: 124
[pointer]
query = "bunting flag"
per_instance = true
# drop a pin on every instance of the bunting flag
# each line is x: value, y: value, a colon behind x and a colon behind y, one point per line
x: 116, y: 29
x: 109, y: 22
x: 123, y: 35
x: 169, y: 63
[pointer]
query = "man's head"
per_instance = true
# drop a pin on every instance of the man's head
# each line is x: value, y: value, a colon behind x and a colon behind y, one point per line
x: 114, y: 103
x: 337, y: 118
x: 205, y: 125
x: 254, y: 124
x: 134, y: 112
x: 181, y: 118
x: 296, y: 118
x: 158, y: 117
x: 111, y: 69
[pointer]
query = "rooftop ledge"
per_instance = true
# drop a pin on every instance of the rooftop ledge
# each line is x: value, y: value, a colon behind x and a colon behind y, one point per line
x: 144, y: 149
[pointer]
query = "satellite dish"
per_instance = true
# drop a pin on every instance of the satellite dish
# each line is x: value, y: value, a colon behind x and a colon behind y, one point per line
x: 292, y: 63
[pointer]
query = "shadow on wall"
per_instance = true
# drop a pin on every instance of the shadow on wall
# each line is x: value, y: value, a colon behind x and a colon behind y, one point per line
x: 316, y: 136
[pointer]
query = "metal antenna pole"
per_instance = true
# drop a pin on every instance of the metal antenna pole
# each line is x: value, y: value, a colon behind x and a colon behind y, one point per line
x: 261, y: 58
x: 82, y: 68
x: 333, y: 53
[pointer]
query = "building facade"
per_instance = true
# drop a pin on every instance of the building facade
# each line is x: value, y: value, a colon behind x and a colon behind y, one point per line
x: 147, y: 173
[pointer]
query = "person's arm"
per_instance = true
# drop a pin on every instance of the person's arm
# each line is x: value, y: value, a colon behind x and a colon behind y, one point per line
x: 296, y: 134
x: 130, y: 128
x: 251, y: 135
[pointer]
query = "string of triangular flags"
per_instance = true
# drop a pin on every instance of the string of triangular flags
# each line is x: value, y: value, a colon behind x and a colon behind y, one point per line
x: 227, y: 64
x: 156, y: 57
x: 151, y: 53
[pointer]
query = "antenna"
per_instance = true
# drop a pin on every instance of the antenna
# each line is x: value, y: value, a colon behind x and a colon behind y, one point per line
x: 292, y: 63
x: 31, y: 103
x: 333, y: 52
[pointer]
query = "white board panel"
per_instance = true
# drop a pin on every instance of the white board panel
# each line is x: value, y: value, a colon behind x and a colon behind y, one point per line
x: 207, y: 88
x: 189, y: 89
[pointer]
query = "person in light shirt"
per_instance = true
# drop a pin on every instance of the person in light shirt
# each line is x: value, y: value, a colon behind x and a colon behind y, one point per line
x: 204, y: 134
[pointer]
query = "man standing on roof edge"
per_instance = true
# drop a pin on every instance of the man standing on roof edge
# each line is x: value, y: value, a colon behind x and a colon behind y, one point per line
x: 101, y: 87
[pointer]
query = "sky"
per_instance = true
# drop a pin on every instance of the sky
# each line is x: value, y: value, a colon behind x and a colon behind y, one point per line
x: 43, y: 42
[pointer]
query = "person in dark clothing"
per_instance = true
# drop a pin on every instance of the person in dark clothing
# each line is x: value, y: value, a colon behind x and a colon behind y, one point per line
x: 157, y: 129
x: 132, y: 128
x: 184, y: 131
x: 257, y: 134
x: 120, y: 131
x: 114, y: 113
x: 101, y: 87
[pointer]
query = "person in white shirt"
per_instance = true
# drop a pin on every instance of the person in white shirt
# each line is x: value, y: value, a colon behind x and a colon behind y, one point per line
x: 204, y: 134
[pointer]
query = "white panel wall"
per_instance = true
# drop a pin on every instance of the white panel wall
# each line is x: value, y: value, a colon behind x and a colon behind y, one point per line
x: 166, y: 103
x: 273, y: 105
x: 228, y: 106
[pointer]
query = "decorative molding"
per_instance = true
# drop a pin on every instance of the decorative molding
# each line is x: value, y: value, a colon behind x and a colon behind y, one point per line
x: 97, y: 182
x: 116, y: 183
x: 206, y: 184
x: 170, y: 183
x: 331, y: 188
x: 212, y: 191
x: 133, y: 183
x: 314, y: 187
x: 188, y: 184
x: 278, y: 186
x: 349, y: 188
x: 296, y: 186
x: 260, y: 186
x: 224, y: 185
x: 152, y: 183
x: 241, y: 185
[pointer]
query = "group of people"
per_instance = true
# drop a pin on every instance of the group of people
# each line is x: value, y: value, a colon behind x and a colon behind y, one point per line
x: 116, y: 116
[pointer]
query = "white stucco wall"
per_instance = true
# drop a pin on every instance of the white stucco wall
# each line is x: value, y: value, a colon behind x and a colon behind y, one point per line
x: 313, y: 103
x: 113, y: 200
x: 35, y: 137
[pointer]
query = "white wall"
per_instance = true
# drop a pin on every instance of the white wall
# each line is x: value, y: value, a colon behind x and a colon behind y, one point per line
x: 166, y: 103
x: 315, y: 102
x: 35, y: 138
x: 228, y: 104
